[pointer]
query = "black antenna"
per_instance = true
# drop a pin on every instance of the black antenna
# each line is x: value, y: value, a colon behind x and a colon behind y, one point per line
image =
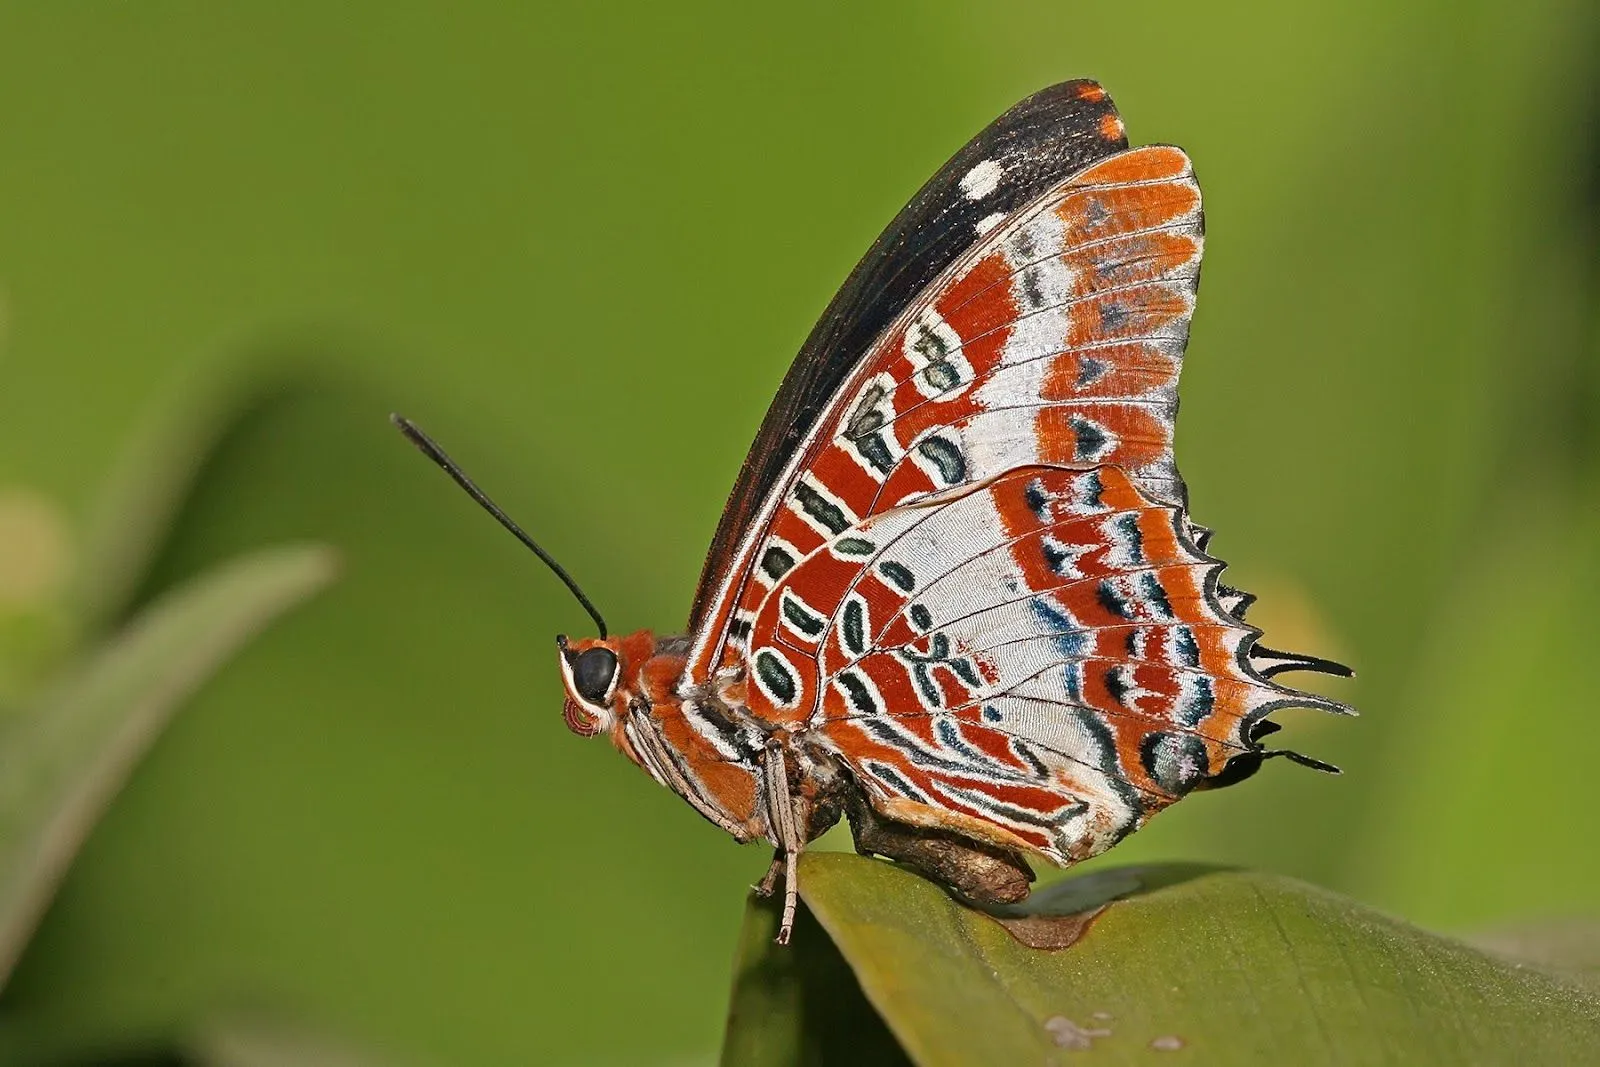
x: 437, y: 454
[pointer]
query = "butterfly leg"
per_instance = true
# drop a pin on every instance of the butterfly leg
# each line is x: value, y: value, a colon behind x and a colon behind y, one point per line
x: 784, y: 830
x: 769, y: 881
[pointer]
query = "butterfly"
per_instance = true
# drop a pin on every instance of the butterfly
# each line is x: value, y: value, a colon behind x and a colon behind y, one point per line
x: 956, y: 596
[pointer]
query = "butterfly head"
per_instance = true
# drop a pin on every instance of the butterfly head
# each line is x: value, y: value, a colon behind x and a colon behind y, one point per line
x: 591, y: 669
x: 604, y: 676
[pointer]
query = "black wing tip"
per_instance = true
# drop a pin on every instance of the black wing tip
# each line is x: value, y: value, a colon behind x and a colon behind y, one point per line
x: 1080, y: 108
x: 1088, y: 90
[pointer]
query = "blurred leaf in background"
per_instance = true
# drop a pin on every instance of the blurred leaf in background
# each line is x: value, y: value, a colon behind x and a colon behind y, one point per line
x: 65, y: 753
x: 580, y: 247
x: 84, y: 695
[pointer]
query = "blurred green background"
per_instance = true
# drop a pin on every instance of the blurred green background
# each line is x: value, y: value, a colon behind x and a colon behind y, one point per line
x: 580, y: 244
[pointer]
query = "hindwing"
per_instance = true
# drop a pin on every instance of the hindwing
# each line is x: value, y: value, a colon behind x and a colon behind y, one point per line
x: 1044, y: 655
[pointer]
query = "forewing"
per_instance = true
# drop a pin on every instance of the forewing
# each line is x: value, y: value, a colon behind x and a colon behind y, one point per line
x: 1018, y: 156
x: 1042, y: 659
x: 1056, y: 339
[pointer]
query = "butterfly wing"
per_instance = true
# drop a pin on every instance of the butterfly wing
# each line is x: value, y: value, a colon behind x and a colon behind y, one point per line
x: 974, y: 578
x: 1019, y: 155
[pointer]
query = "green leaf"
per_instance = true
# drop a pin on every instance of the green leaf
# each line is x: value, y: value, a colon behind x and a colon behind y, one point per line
x: 1229, y: 966
x: 799, y: 1004
x: 64, y: 756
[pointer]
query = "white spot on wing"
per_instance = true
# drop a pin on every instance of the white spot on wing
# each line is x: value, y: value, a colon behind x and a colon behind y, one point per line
x: 981, y: 180
x: 989, y: 222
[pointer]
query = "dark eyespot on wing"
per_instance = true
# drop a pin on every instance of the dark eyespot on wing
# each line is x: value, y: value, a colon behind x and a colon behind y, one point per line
x: 899, y: 575
x: 946, y: 457
x: 776, y: 675
x: 854, y: 629
x: 859, y: 694
x: 1175, y: 762
x: 1113, y: 601
x: 801, y: 617
x: 775, y: 562
x: 821, y: 509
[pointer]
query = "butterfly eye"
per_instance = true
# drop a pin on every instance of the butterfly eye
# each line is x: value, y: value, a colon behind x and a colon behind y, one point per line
x: 592, y: 671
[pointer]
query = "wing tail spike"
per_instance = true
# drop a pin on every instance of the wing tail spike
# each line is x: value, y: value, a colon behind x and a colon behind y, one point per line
x: 1301, y: 759
x: 1271, y: 662
x: 1321, y: 703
